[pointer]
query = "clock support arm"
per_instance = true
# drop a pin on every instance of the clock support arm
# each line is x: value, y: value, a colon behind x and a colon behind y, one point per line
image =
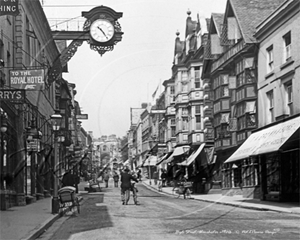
x: 67, y: 53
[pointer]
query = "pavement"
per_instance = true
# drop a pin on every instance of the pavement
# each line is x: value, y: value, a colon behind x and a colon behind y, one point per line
x: 30, y: 221
x: 215, y: 196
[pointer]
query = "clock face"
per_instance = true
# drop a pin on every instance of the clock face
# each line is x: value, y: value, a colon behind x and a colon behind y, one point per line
x: 102, y: 30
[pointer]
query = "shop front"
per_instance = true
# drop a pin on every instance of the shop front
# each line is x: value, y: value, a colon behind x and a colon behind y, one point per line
x: 266, y: 165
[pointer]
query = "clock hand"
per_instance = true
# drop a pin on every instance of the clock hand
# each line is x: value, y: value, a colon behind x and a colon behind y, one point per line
x: 102, y: 31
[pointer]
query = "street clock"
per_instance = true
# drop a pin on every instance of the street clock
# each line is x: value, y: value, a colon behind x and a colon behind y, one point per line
x: 103, y: 27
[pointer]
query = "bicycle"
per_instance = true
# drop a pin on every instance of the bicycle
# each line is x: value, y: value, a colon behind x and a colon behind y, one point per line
x: 183, y: 188
x: 127, y: 194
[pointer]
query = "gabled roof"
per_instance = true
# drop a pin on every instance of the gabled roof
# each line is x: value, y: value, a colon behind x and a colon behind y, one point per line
x: 216, y: 22
x: 249, y: 13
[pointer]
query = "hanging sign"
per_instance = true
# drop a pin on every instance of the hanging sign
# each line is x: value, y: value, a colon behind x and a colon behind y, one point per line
x: 33, y: 145
x: 27, y: 79
x: 12, y: 95
x: 82, y: 116
x: 9, y: 7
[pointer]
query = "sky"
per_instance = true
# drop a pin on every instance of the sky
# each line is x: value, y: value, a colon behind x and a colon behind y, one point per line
x: 109, y: 85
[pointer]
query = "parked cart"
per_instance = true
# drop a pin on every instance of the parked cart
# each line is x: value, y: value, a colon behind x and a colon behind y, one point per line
x: 68, y: 199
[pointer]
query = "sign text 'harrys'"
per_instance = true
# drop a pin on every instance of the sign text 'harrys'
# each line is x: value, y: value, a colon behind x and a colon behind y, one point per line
x: 17, y: 96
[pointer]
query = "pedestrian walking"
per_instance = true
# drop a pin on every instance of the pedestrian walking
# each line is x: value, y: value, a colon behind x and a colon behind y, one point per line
x: 126, y: 178
x: 106, y: 178
x: 116, y: 179
x: 163, y: 177
x: 155, y: 177
x: 139, y: 174
x: 68, y: 179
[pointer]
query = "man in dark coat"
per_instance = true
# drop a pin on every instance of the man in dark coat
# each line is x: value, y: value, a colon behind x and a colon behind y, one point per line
x: 68, y: 179
x: 126, y: 183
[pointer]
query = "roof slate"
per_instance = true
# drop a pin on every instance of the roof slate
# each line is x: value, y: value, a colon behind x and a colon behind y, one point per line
x: 249, y: 13
x: 217, y: 18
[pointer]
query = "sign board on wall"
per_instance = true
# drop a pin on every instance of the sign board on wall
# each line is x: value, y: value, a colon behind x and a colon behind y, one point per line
x: 33, y: 80
x: 12, y: 95
x: 82, y: 116
x: 9, y: 7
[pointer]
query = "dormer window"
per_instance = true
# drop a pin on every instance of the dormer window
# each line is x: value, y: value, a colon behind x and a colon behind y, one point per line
x: 233, y: 30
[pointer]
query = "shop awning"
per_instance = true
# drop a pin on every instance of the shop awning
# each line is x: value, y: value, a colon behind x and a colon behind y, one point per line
x: 150, y: 161
x: 181, y: 150
x: 164, y: 157
x: 192, y: 157
x: 170, y: 158
x: 266, y: 140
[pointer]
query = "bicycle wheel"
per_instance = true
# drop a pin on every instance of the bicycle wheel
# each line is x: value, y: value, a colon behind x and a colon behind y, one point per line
x: 176, y: 192
x: 188, y: 193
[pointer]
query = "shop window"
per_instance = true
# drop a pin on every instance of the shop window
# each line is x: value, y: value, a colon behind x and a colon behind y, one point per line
x: 237, y: 176
x: 250, y: 172
x: 272, y: 174
x: 227, y: 177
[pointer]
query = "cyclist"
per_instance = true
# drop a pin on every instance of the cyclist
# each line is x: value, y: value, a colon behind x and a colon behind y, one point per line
x: 126, y: 178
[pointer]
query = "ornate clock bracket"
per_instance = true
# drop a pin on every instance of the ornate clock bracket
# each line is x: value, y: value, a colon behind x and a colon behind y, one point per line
x: 78, y: 37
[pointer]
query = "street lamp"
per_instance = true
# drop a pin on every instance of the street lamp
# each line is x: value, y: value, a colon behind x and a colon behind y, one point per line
x: 56, y: 122
x: 3, y: 129
x: 33, y: 145
x: 149, y: 170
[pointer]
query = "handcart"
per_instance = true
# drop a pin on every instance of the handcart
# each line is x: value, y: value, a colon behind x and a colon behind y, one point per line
x: 68, y: 199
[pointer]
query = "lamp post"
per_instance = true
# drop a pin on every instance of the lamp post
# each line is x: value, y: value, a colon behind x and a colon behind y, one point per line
x: 56, y: 122
x: 33, y: 145
x: 3, y: 129
x: 149, y: 170
x: 186, y: 150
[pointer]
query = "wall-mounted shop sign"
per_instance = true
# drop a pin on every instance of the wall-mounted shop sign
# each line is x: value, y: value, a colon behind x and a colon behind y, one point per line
x: 33, y: 145
x: 27, y: 79
x: 82, y: 116
x: 16, y: 96
x: 9, y: 7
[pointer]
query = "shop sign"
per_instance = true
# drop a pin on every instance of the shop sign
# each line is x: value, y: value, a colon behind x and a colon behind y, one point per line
x: 9, y: 7
x: 82, y: 116
x: 33, y: 145
x: 16, y: 96
x: 33, y: 80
